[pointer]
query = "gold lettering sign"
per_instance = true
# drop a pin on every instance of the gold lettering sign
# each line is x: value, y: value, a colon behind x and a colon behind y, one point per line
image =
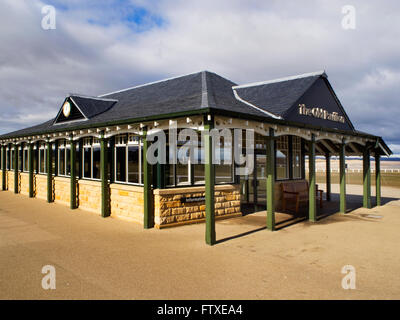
x: 320, y: 113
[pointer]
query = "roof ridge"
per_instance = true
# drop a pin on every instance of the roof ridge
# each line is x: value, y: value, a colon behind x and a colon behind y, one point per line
x: 300, y: 76
x: 90, y: 97
x: 150, y: 83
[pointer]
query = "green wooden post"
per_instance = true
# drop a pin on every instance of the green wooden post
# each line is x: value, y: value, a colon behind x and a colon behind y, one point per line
x: 342, y: 165
x: 366, y: 179
x: 328, y: 176
x: 3, y: 177
x: 16, y: 168
x: 148, y: 219
x: 312, y: 203
x: 73, y: 202
x: 270, y: 180
x: 209, y: 171
x: 30, y: 169
x: 378, y: 178
x: 49, y: 167
x: 105, y: 188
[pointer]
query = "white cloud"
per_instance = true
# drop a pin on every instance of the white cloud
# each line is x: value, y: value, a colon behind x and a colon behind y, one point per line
x: 243, y: 41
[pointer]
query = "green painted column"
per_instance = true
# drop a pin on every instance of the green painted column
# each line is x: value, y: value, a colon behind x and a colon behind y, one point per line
x: 209, y: 172
x: 378, y: 178
x: 3, y: 177
x: 105, y: 187
x: 328, y: 177
x: 148, y: 219
x: 270, y: 180
x: 16, y: 168
x: 342, y: 165
x: 366, y: 178
x: 49, y: 167
x: 30, y: 169
x: 312, y: 203
x: 73, y: 202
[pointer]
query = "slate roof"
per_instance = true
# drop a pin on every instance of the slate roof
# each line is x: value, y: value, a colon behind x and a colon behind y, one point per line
x: 278, y: 96
x: 194, y: 92
x: 187, y: 93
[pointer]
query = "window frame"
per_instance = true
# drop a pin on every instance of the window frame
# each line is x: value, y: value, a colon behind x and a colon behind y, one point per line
x: 124, y: 141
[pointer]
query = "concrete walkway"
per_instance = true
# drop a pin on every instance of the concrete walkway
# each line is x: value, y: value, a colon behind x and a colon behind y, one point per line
x: 98, y: 258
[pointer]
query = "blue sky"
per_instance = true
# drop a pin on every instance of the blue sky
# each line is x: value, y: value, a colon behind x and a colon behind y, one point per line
x: 101, y: 46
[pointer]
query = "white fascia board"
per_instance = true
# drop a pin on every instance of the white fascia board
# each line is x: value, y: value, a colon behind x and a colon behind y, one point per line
x: 269, y: 114
x: 305, y: 75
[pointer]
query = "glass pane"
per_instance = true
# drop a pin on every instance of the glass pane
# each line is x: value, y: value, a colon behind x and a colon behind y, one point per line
x: 20, y: 159
x: 133, y: 164
x: 223, y: 171
x: 120, y: 163
x: 296, y: 157
x: 87, y: 162
x: 199, y: 167
x: 42, y: 161
x: 282, y: 152
x: 96, y: 162
x: 182, y: 169
x: 26, y: 162
x: 61, y: 161
x: 68, y: 157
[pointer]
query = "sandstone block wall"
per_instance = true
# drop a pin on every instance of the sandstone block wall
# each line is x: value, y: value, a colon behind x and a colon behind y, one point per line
x: 10, y: 179
x: 24, y: 183
x: 62, y: 190
x: 169, y: 209
x: 40, y: 186
x: 90, y: 195
x: 127, y: 202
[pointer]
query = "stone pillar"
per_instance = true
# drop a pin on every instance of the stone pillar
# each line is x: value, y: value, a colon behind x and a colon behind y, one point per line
x: 366, y: 179
x: 342, y: 165
x: 270, y: 180
x: 209, y: 172
x: 312, y: 204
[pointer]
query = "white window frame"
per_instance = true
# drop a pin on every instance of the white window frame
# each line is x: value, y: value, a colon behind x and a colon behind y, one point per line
x: 42, y: 146
x: 124, y: 141
x: 65, y: 147
x: 89, y: 143
x: 26, y: 148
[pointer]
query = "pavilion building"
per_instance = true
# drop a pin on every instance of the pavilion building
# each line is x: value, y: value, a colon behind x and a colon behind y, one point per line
x: 93, y: 153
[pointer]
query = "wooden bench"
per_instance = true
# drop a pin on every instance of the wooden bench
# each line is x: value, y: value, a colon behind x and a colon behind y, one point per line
x: 297, y: 191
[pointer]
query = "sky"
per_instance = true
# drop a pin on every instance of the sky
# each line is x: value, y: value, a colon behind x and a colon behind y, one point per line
x: 102, y: 46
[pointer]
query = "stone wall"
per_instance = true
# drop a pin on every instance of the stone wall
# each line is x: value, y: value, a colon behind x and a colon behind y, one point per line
x: 62, y: 190
x: 90, y: 195
x: 24, y: 183
x: 1, y: 179
x: 170, y: 209
x: 40, y: 186
x: 127, y: 202
x: 10, y: 179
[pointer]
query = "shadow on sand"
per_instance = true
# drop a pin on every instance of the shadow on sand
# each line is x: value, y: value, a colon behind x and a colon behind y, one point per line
x: 256, y: 217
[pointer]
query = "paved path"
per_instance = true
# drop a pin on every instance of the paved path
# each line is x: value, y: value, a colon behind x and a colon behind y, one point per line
x: 109, y: 258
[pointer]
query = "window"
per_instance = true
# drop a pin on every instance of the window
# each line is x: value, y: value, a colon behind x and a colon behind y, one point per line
x: 42, y: 158
x: 187, y: 173
x: 8, y: 159
x: 26, y: 158
x: 64, y: 156
x: 91, y: 158
x: 296, y: 157
x: 224, y: 170
x: 12, y: 152
x: 128, y: 159
x: 282, y: 158
x: 20, y: 158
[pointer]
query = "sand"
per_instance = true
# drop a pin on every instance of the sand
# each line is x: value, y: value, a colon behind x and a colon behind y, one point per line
x: 98, y: 258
